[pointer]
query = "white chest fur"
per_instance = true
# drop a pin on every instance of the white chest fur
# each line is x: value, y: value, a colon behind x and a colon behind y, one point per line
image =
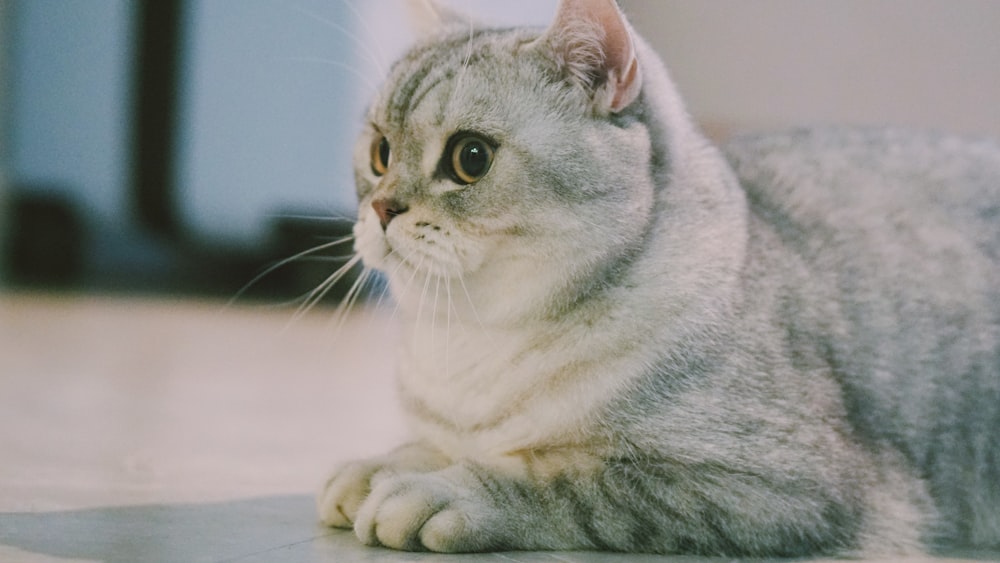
x: 476, y: 392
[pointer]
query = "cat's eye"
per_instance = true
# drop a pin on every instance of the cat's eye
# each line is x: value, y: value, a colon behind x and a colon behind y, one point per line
x: 380, y: 154
x: 468, y: 158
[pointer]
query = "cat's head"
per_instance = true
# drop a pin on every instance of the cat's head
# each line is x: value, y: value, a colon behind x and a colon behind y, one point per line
x: 514, y: 162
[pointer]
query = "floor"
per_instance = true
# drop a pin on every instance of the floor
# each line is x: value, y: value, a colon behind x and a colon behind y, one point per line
x: 180, y: 430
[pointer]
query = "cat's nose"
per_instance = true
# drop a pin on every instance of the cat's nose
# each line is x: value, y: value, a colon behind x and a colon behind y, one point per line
x: 387, y: 209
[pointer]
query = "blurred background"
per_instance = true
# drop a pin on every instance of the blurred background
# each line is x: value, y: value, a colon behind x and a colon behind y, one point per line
x: 182, y: 146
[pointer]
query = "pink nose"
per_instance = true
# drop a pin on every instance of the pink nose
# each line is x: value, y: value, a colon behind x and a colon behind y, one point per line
x: 387, y: 210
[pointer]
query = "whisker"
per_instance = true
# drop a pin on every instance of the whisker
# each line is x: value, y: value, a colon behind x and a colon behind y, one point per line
x: 386, y: 281
x: 382, y: 58
x: 472, y: 306
x: 465, y: 62
x: 317, y: 293
x: 459, y: 317
x: 434, y: 309
x: 409, y: 282
x: 325, y: 218
x: 389, y: 277
x: 447, y: 331
x: 325, y: 259
x: 423, y: 297
x: 363, y: 45
x: 282, y: 263
x: 323, y: 288
x: 315, y: 296
x: 368, y: 81
x: 345, y: 307
x: 296, y: 301
x: 384, y: 293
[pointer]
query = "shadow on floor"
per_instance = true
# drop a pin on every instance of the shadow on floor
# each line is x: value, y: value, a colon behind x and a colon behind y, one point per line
x: 222, y: 531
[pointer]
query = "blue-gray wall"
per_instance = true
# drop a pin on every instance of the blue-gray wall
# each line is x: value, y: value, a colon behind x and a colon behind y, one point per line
x: 69, y: 97
x: 269, y: 110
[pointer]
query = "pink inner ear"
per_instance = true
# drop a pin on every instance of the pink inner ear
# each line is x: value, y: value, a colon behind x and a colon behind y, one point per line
x: 626, y: 88
x: 617, y: 39
x: 580, y: 24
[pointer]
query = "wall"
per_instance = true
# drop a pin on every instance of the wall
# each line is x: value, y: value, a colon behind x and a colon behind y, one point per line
x: 4, y: 87
x: 70, y: 101
x: 774, y: 63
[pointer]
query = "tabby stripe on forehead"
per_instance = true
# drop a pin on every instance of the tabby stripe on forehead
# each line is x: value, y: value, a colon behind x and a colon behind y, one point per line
x: 425, y: 62
x: 399, y: 107
x: 410, y: 94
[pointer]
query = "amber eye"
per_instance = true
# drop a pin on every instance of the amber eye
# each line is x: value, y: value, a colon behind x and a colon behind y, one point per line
x: 380, y: 154
x: 468, y: 158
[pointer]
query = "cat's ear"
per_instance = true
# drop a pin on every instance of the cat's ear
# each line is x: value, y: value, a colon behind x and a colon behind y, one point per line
x: 430, y: 18
x: 593, y: 43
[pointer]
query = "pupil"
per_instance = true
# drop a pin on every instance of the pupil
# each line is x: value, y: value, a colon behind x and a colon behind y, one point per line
x: 383, y: 152
x: 473, y: 159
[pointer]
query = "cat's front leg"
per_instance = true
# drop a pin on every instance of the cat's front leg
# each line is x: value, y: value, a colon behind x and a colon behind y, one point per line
x: 350, y: 484
x: 523, y: 502
x: 611, y: 505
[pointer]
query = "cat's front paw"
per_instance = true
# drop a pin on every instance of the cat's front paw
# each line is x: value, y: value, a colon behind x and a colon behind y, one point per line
x: 344, y: 492
x: 417, y: 512
x: 351, y: 483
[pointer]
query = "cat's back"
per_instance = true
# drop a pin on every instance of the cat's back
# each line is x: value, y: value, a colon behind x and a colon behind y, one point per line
x: 879, y: 178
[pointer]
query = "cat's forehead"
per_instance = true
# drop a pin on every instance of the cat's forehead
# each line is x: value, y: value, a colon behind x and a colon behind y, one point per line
x: 456, y: 78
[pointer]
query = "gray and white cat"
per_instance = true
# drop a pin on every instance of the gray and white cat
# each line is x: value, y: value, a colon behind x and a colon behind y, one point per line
x: 618, y: 337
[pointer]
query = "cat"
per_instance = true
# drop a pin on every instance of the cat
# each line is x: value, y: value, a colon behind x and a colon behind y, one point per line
x: 619, y: 337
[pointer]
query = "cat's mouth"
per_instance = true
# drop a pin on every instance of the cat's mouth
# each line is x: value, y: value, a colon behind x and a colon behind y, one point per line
x: 424, y: 256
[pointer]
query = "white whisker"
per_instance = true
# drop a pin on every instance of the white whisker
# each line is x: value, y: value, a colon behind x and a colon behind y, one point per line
x: 271, y: 269
x: 357, y: 41
x: 386, y: 287
x: 409, y: 282
x: 325, y: 259
x: 472, y: 305
x: 345, y: 307
x: 381, y: 59
x: 323, y: 288
x: 325, y: 218
x: 447, y: 332
x: 465, y: 63
x: 423, y: 297
x: 368, y: 81
x: 454, y: 307
x: 434, y: 309
x: 388, y: 278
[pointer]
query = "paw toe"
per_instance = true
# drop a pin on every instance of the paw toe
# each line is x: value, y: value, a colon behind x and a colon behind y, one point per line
x: 411, y: 514
x: 444, y: 531
x: 342, y: 496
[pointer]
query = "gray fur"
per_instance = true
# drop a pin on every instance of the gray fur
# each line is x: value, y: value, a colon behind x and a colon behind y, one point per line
x: 789, y: 347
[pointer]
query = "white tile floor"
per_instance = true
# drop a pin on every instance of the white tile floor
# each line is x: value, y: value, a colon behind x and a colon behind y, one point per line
x: 156, y: 430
